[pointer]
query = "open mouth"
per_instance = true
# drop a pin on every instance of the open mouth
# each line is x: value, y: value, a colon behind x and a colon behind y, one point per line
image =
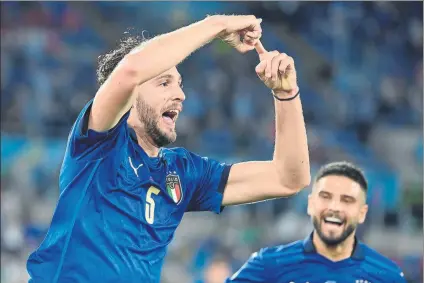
x: 333, y: 221
x: 170, y: 116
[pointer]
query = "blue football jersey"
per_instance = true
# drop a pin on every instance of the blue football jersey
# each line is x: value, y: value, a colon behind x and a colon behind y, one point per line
x: 299, y: 262
x: 118, y: 208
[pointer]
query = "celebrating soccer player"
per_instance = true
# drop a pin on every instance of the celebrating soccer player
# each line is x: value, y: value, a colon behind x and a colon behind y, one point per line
x: 122, y: 195
x: 331, y: 253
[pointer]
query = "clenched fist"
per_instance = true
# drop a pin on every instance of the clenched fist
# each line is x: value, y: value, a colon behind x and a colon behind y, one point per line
x: 277, y: 71
x: 240, y: 32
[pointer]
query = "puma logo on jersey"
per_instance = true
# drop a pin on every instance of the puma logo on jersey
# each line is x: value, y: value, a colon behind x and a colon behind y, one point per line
x: 134, y: 168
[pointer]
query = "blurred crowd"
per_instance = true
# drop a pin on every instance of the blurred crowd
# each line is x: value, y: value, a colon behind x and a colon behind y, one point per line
x: 371, y: 76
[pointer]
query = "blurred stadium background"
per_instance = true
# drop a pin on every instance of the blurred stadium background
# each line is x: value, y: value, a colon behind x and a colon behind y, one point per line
x: 361, y: 77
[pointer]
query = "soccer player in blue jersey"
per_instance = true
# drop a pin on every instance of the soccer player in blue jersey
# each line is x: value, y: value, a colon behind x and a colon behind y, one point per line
x: 332, y: 253
x: 122, y: 194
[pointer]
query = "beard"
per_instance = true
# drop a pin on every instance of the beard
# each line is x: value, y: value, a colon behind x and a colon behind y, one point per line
x: 332, y: 241
x: 146, y: 116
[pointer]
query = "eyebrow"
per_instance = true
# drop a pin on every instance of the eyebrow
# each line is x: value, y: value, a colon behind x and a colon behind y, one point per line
x: 168, y: 76
x: 349, y: 197
x: 343, y: 196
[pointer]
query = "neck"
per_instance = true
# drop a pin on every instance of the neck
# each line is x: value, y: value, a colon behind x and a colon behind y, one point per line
x: 147, y: 145
x: 335, y: 253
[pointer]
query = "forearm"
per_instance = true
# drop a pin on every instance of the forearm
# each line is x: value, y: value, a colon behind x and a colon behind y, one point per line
x: 151, y: 58
x: 291, y: 156
x: 168, y: 50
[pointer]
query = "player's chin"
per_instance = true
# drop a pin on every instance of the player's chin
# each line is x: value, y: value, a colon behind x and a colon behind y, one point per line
x: 169, y: 133
x: 332, y: 231
x: 332, y: 240
x: 172, y: 137
x: 332, y: 236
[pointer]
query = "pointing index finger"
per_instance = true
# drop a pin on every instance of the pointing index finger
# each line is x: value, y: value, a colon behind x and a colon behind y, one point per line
x: 260, y: 48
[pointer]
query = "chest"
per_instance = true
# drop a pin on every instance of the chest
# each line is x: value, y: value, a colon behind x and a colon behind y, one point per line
x: 141, y: 193
x: 316, y: 273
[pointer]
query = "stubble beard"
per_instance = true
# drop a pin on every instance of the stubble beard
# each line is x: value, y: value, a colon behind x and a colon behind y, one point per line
x: 146, y: 116
x: 329, y: 241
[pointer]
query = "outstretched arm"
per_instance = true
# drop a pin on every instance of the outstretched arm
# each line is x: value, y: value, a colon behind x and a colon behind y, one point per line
x: 288, y: 172
x: 114, y: 98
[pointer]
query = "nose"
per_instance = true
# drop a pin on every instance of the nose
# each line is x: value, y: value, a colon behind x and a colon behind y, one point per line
x: 334, y: 205
x: 179, y: 94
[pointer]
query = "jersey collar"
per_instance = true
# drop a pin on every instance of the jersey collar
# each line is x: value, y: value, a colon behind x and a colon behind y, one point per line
x: 357, y: 254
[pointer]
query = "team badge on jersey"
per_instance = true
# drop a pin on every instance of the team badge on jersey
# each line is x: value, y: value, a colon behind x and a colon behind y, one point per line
x: 173, y: 187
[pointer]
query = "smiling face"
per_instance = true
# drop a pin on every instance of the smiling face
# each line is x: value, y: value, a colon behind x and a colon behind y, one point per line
x: 336, y: 206
x: 157, y: 106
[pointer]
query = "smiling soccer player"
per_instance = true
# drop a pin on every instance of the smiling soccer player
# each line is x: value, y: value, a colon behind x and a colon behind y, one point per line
x: 332, y: 253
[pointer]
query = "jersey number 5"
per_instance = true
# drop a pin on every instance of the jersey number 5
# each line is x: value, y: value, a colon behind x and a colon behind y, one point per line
x: 150, y: 204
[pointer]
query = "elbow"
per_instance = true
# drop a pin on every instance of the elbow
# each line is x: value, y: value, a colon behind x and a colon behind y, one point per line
x: 295, y: 184
x: 294, y: 178
x: 305, y: 182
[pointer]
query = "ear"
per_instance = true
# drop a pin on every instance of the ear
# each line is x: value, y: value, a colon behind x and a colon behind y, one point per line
x: 363, y: 214
x: 310, y: 204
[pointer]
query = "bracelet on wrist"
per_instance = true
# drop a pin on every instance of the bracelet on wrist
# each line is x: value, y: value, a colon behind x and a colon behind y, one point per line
x: 286, y: 99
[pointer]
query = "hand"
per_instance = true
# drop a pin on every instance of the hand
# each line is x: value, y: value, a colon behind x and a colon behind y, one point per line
x: 277, y: 71
x: 241, y: 32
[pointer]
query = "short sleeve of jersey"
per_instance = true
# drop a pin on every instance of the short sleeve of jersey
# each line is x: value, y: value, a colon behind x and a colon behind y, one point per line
x: 210, y: 178
x: 87, y: 144
x: 252, y: 271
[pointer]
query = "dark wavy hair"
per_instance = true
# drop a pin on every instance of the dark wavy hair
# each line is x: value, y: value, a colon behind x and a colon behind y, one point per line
x: 108, y: 61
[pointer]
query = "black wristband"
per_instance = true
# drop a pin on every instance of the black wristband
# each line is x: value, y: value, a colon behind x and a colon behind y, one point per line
x: 286, y: 99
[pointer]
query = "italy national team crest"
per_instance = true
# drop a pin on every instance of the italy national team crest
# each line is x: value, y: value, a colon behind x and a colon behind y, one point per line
x: 173, y: 187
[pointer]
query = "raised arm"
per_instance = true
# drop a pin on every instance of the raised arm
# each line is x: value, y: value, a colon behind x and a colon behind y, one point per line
x: 288, y: 172
x: 153, y: 57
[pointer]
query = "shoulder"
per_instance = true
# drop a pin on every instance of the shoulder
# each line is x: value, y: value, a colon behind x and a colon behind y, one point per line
x: 181, y: 159
x: 176, y: 152
x: 381, y: 264
x: 281, y: 253
x: 178, y: 155
x: 184, y: 156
